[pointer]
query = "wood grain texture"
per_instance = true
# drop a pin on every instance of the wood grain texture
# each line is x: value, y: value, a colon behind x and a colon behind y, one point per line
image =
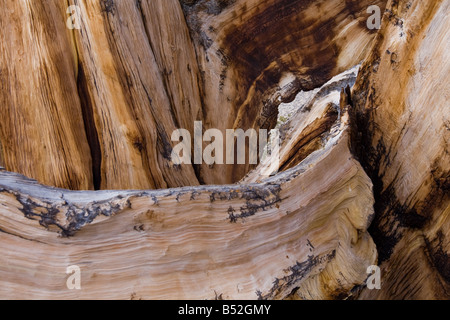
x: 139, y: 89
x: 41, y: 132
x: 364, y: 170
x: 248, y: 48
x: 402, y: 95
x: 136, y: 71
x: 303, y: 233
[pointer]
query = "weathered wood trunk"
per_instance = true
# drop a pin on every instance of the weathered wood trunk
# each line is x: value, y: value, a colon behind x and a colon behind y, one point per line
x: 402, y: 99
x: 302, y: 232
x: 110, y: 94
x: 94, y: 108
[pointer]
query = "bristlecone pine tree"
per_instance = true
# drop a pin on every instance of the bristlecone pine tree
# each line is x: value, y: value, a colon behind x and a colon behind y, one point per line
x: 90, y: 96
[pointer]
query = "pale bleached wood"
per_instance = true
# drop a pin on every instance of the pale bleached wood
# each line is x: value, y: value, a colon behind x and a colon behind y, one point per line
x: 305, y: 228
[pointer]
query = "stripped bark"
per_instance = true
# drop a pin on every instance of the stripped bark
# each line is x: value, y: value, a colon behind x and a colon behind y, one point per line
x: 301, y: 234
x: 95, y: 109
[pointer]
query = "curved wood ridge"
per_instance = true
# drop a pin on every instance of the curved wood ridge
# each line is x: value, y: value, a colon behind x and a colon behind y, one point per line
x: 303, y: 232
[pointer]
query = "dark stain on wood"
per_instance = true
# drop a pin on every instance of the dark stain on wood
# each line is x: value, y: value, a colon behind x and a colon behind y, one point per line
x: 75, y: 216
x: 297, y: 273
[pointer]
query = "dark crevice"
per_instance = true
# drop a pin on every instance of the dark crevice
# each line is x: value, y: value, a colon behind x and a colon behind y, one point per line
x: 438, y: 256
x: 370, y: 159
x: 90, y: 128
x: 392, y: 217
